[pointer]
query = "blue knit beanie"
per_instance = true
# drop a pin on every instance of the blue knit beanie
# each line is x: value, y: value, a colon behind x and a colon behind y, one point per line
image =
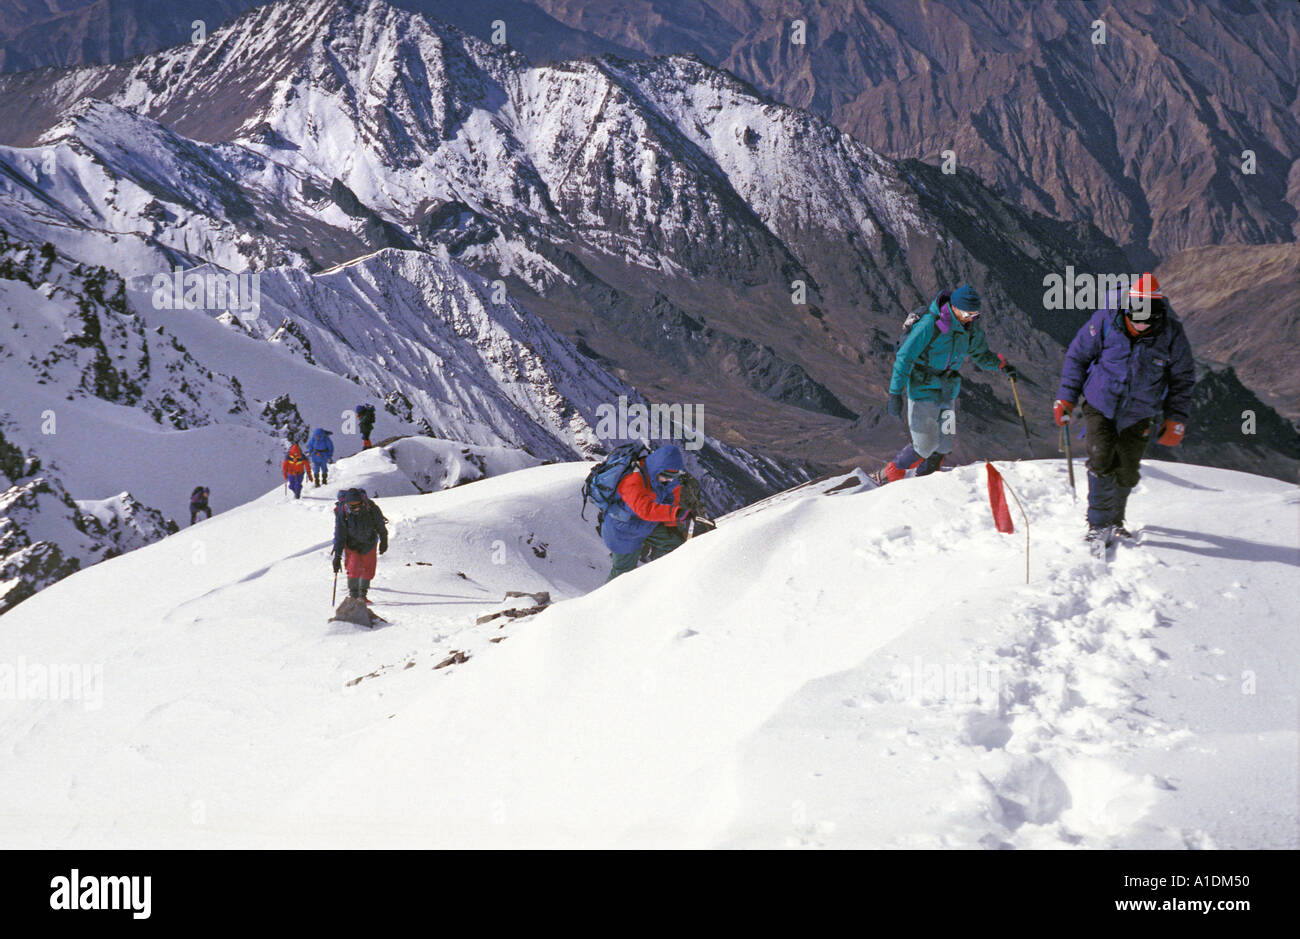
x: 965, y: 298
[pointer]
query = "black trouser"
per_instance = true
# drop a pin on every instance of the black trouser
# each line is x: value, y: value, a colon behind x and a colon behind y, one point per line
x: 196, y: 509
x: 1113, y: 459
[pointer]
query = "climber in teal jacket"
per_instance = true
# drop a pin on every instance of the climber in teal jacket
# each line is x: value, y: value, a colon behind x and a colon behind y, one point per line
x: 926, y: 374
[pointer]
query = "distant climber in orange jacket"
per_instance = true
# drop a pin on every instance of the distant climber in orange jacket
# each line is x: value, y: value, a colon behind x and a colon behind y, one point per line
x: 295, y: 466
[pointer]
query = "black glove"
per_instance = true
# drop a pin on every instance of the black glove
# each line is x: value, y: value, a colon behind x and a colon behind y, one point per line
x: 683, y: 515
x: 383, y: 548
x: 896, y: 406
x: 338, y: 563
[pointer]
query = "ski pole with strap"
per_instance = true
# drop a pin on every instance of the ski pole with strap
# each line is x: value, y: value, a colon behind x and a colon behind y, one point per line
x: 335, y: 595
x: 1069, y: 456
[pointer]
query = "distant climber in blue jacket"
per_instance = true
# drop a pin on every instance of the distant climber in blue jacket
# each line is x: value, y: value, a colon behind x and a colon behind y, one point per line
x: 1133, y: 364
x: 926, y: 377
x: 320, y: 450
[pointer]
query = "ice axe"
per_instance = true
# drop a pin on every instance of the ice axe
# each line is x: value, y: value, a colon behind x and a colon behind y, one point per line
x: 1069, y: 456
x: 1023, y: 423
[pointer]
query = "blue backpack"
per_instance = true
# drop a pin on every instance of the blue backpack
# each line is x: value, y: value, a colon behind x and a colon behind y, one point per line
x: 601, y: 485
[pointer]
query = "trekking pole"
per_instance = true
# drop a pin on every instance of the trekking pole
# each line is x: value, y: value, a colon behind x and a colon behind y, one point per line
x: 1069, y: 456
x: 335, y: 595
x: 1023, y: 423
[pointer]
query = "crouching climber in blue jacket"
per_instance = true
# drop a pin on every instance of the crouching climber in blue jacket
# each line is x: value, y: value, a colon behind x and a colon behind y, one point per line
x: 646, y: 512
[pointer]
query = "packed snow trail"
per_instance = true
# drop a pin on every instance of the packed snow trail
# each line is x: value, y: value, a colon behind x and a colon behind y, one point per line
x: 1147, y: 704
x: 860, y: 669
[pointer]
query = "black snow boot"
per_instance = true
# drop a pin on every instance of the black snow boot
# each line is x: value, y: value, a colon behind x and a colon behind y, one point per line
x: 354, y: 587
x: 1120, y: 530
x: 931, y: 464
x: 1103, y: 501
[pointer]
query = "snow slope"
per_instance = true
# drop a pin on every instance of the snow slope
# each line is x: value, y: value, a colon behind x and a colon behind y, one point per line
x: 113, y: 391
x: 865, y: 668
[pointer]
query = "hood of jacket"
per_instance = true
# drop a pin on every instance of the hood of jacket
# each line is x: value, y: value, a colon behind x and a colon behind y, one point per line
x: 667, y: 457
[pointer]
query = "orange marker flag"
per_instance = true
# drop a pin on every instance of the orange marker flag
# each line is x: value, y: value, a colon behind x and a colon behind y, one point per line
x: 998, y: 502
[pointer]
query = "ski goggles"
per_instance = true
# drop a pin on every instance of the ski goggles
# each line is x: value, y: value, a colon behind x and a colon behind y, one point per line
x: 1144, y: 310
x: 669, y: 475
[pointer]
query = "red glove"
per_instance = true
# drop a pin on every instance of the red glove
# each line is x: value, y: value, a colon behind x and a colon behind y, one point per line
x: 1061, y: 411
x: 1171, y: 433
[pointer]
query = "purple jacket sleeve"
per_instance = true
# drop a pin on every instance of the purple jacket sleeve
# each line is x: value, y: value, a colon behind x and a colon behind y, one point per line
x: 1182, y: 377
x: 1084, y: 350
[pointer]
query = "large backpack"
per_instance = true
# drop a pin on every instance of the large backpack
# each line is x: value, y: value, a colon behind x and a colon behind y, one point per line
x: 365, y: 411
x: 912, y: 319
x: 601, y: 485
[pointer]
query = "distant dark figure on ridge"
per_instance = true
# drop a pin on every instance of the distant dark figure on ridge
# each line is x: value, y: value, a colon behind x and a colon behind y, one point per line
x: 199, y: 503
x: 365, y: 423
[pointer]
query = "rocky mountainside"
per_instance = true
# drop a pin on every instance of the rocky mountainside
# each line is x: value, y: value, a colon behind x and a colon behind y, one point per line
x: 37, y: 33
x: 1244, y: 312
x: 1021, y: 92
x: 68, y: 329
x: 40, y: 33
x: 1141, y: 134
x: 45, y: 534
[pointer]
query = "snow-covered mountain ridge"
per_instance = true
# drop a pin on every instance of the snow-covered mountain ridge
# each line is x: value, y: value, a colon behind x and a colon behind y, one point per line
x: 166, y: 398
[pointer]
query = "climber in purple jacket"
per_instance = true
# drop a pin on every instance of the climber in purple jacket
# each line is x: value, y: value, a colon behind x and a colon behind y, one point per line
x: 1133, y: 364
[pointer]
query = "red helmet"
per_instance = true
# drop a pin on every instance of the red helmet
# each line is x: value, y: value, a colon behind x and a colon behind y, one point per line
x: 1145, y: 288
